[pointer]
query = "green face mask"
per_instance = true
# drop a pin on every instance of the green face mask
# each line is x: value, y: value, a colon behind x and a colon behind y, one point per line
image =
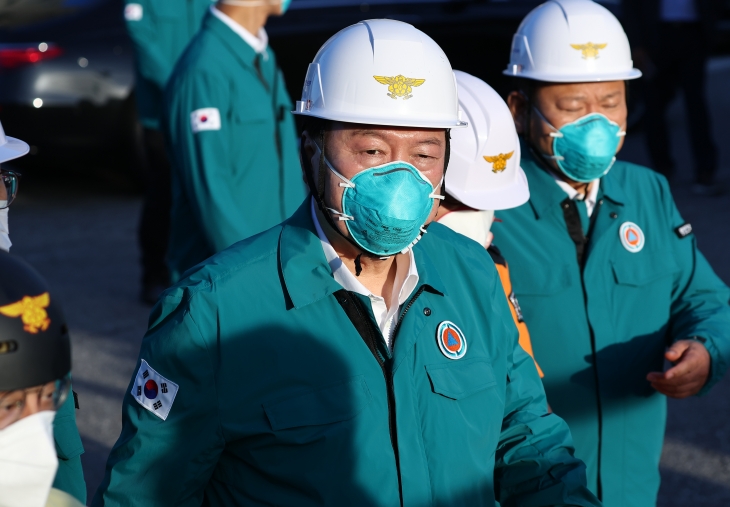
x: 285, y: 5
x: 585, y: 149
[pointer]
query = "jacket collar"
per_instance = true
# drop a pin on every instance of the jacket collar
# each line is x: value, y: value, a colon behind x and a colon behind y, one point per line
x: 546, y: 195
x: 307, y: 276
x: 238, y: 47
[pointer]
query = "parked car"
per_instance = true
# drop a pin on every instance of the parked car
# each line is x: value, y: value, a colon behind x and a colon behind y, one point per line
x: 66, y: 77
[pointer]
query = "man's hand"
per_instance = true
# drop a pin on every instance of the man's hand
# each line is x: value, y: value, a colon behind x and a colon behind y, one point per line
x: 689, y: 373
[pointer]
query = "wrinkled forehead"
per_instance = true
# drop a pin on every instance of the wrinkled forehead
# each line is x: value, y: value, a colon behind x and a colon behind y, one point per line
x: 351, y: 132
x: 584, y: 92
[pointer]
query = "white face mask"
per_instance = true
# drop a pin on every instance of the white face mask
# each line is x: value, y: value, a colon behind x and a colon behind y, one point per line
x: 28, y: 461
x: 5, y: 243
x: 472, y: 224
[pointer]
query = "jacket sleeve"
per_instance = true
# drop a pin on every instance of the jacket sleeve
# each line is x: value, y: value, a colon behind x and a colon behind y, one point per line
x: 700, y: 300
x: 203, y: 159
x: 535, y: 465
x: 158, y: 462
x: 142, y: 29
x: 70, y: 474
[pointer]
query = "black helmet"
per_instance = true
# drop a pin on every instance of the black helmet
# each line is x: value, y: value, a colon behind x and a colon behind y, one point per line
x: 34, y: 344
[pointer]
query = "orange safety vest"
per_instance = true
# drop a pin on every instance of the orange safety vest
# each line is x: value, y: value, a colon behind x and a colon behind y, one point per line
x: 514, y: 306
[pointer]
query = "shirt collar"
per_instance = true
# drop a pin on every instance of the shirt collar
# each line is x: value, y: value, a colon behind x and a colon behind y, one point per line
x: 406, y: 271
x: 258, y: 43
x: 590, y: 199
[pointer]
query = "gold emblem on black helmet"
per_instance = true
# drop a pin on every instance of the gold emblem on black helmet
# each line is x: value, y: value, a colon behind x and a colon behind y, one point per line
x: 32, y: 311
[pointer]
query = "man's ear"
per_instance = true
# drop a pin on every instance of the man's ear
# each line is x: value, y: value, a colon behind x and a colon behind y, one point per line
x: 308, y: 147
x: 517, y: 103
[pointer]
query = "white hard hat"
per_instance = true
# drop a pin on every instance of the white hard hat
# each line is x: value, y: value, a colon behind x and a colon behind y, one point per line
x: 381, y: 72
x: 570, y: 41
x: 484, y: 170
x: 10, y: 147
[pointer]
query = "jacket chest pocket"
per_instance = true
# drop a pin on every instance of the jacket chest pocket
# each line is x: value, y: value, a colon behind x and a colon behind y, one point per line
x: 643, y: 271
x: 330, y: 404
x: 461, y: 379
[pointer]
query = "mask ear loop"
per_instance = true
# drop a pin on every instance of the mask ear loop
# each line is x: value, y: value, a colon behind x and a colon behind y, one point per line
x: 539, y: 155
x: 344, y: 183
x: 319, y: 188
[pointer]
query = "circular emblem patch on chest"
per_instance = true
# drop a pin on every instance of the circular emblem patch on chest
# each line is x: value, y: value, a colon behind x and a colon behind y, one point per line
x: 632, y: 237
x: 150, y: 389
x: 451, y: 340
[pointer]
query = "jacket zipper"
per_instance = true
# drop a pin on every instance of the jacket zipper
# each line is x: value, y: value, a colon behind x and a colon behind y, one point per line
x: 572, y: 218
x: 386, y: 366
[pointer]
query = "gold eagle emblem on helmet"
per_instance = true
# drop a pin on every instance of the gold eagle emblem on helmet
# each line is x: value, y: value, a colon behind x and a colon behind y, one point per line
x: 32, y: 311
x: 399, y: 86
x: 499, y: 162
x: 589, y: 49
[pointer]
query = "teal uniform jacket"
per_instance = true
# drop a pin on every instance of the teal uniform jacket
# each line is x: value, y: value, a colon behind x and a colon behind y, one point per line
x: 70, y: 475
x: 160, y: 30
x: 281, y: 400
x: 597, y: 332
x: 233, y: 146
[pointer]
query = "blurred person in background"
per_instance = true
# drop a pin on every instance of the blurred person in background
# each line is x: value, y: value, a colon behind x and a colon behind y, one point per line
x: 343, y: 362
x: 231, y: 134
x: 671, y: 41
x: 160, y: 30
x: 608, y: 274
x: 70, y: 475
x: 485, y: 175
x: 10, y: 149
x: 35, y: 366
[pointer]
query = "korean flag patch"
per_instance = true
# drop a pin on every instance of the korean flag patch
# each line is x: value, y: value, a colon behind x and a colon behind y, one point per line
x: 208, y: 118
x: 153, y: 391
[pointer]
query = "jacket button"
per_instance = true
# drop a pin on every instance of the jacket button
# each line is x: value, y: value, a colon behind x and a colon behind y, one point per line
x: 613, y: 214
x: 427, y: 312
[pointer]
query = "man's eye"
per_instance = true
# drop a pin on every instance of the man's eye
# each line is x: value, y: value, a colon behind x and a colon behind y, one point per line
x: 372, y: 152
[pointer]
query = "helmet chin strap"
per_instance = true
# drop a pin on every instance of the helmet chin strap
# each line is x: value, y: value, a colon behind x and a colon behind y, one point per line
x: 537, y: 154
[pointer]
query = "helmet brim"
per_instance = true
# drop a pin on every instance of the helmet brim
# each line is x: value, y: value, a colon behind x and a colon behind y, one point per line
x: 384, y: 121
x: 575, y: 78
x: 14, y: 148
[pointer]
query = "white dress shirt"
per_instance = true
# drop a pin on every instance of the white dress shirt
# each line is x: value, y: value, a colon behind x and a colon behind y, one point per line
x: 406, y: 280
x: 259, y: 43
x: 590, y: 199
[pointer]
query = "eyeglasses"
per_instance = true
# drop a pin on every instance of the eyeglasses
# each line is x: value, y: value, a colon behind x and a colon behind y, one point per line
x: 50, y: 396
x: 10, y: 180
